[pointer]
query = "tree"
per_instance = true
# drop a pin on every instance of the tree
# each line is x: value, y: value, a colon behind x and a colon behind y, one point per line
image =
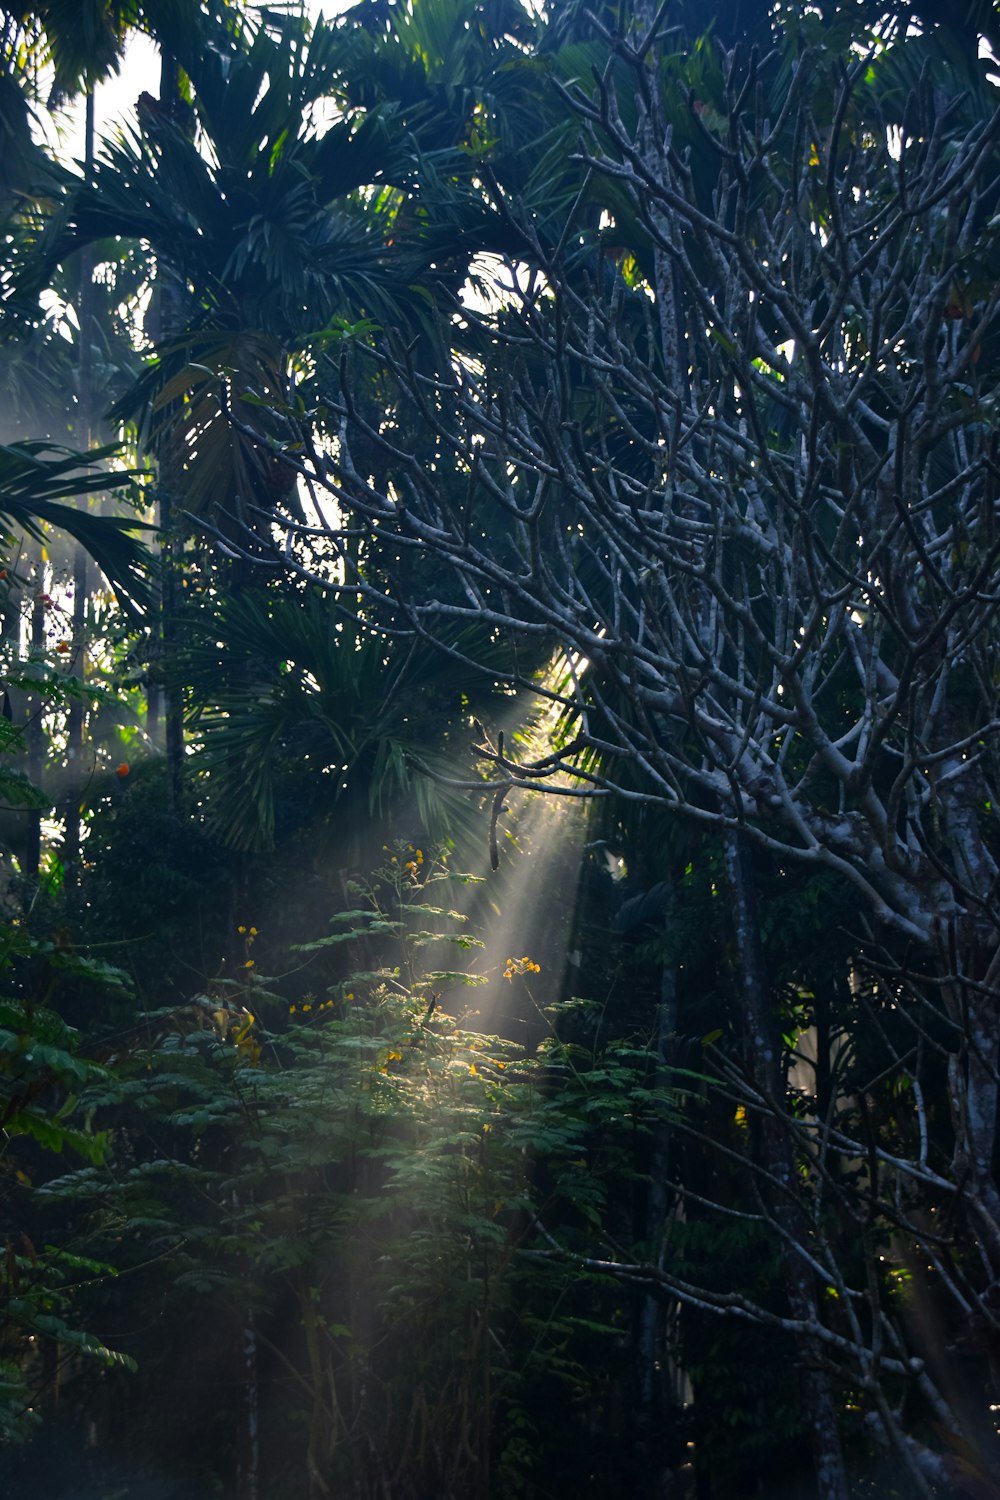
x: 291, y: 705
x: 61, y: 51
x: 270, y: 235
x: 718, y: 446
x: 734, y: 455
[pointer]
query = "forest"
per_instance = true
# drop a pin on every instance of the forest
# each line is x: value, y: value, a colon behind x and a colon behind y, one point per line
x: 499, y: 751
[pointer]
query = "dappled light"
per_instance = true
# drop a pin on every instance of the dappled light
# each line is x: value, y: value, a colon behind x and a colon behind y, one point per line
x: 530, y: 910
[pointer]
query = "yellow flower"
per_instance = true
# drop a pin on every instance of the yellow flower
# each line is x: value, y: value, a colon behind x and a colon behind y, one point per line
x: 292, y: 1009
x: 253, y: 932
x: 249, y: 964
x: 523, y: 965
x: 307, y: 1007
x: 241, y: 929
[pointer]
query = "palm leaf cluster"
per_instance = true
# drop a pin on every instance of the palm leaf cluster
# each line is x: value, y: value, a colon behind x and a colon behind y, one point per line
x: 38, y: 478
x: 296, y: 708
x: 283, y: 205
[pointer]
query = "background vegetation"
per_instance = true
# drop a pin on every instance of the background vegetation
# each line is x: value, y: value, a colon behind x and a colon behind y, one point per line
x: 498, y: 933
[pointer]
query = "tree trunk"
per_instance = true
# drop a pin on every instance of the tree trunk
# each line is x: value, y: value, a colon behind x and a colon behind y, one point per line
x: 35, y: 715
x: 77, y: 663
x: 162, y: 700
x: 248, y: 1449
x: 653, y: 1312
x: 762, y: 1058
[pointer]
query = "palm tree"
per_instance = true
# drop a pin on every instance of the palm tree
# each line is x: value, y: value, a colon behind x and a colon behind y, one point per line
x: 273, y: 238
x: 274, y: 230
x: 295, y: 710
x: 70, y: 48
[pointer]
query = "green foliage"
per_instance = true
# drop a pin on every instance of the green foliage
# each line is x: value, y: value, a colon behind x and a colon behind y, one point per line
x: 363, y: 1153
x: 15, y: 788
x: 320, y: 1152
x: 36, y: 478
x: 156, y: 885
x: 42, y: 1078
x: 294, y: 709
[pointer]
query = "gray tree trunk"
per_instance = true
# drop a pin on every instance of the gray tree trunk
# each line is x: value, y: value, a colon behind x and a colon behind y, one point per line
x: 762, y: 1058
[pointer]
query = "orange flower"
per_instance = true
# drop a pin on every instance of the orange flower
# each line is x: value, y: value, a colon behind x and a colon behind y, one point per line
x: 122, y: 770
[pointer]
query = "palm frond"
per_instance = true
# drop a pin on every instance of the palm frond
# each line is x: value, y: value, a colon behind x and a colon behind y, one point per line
x: 288, y: 693
x: 36, y: 478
